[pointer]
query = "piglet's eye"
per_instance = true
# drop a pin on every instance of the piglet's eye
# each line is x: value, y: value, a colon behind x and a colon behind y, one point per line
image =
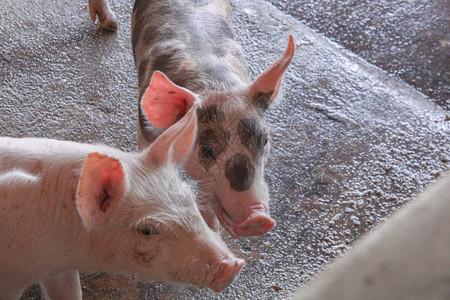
x: 150, y: 230
x: 207, y: 151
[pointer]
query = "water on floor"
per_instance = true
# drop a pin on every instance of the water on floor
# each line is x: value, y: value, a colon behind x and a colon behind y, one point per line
x: 350, y: 145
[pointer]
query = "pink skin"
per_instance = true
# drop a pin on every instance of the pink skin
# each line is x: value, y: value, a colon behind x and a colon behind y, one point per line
x: 230, y: 267
x: 204, y: 259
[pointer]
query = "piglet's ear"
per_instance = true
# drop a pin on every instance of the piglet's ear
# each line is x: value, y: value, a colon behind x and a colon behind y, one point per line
x: 265, y: 88
x: 164, y: 102
x: 100, y: 189
x: 174, y: 144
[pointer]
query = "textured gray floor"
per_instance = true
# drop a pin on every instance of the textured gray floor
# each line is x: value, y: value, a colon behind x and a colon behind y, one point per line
x: 349, y: 143
x: 410, y: 39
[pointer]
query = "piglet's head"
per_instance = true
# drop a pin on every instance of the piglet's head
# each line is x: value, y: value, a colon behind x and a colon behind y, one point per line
x: 143, y: 219
x: 232, y: 145
x: 103, y: 182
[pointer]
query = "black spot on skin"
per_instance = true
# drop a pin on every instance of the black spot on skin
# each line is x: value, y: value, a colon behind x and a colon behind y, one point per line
x: 135, y: 36
x: 159, y: 64
x: 136, y: 5
x: 252, y: 136
x: 261, y: 100
x: 142, y: 120
x: 142, y: 73
x: 155, y: 34
x: 137, y: 30
x: 168, y: 9
x: 142, y: 15
x: 150, y: 34
x: 143, y: 257
x: 171, y: 92
x: 240, y: 172
x: 212, y: 143
x: 211, y: 114
x: 165, y: 59
x: 188, y: 78
x: 220, y: 51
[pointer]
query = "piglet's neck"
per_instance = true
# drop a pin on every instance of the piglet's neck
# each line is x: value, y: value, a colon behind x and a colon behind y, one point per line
x: 51, y: 207
x: 74, y: 240
x: 203, y: 71
x: 210, y: 73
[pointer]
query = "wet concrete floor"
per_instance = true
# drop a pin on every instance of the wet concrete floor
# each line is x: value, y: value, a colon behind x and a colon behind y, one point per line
x: 408, y: 39
x: 350, y: 144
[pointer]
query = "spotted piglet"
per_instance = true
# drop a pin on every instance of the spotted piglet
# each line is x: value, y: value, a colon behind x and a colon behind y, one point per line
x: 68, y: 206
x: 185, y: 53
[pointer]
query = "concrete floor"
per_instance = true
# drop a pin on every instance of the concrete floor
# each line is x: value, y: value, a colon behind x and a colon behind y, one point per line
x: 350, y: 144
x: 408, y: 39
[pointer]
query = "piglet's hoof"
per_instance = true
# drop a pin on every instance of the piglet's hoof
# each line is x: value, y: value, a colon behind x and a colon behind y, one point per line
x: 109, y: 23
x: 106, y: 18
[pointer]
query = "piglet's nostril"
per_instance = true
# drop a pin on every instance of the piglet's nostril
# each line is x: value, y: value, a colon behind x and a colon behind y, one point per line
x: 230, y: 267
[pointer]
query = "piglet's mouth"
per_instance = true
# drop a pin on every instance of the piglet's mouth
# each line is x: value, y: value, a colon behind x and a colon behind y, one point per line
x: 256, y: 221
x: 224, y: 218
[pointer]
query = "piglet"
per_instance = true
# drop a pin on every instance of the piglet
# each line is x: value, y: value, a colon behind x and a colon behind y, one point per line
x: 185, y: 53
x: 67, y: 206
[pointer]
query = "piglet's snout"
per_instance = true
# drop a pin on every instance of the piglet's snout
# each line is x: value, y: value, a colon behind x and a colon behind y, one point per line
x: 229, y: 269
x: 257, y: 222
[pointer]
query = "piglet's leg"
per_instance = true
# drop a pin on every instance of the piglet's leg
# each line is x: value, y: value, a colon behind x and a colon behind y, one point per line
x: 65, y: 285
x: 106, y: 17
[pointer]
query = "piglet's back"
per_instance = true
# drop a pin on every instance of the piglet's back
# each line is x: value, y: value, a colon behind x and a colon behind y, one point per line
x: 26, y: 152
